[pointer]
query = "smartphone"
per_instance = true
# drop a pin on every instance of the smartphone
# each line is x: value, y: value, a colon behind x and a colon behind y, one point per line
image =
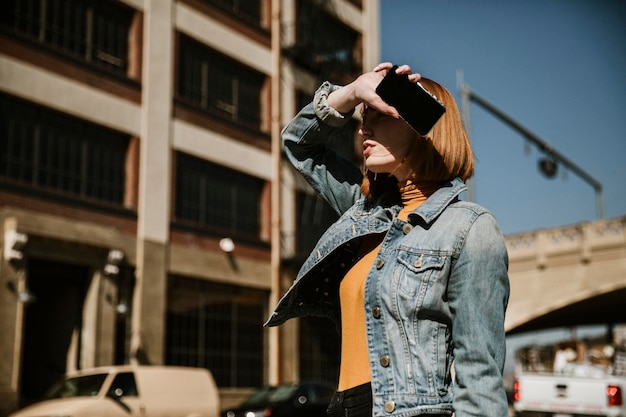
x: 416, y: 105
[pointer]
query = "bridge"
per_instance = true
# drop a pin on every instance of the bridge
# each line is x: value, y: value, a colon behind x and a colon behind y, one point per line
x: 567, y: 276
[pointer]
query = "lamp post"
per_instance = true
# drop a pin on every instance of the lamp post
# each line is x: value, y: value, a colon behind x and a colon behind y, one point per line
x: 548, y: 165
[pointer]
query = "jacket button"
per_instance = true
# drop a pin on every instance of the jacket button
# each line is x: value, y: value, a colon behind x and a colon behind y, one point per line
x: 406, y: 228
x: 376, y: 312
x: 390, y: 406
x: 380, y: 263
x: 384, y: 361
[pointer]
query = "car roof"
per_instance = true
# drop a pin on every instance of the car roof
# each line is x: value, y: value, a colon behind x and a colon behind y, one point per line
x: 120, y: 368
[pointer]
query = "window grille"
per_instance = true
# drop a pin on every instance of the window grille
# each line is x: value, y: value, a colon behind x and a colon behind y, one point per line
x: 94, y: 31
x: 41, y: 148
x: 314, y: 214
x: 320, y: 350
x: 217, y: 197
x: 218, y: 327
x: 324, y: 44
x: 219, y: 86
x: 248, y: 11
x: 314, y: 217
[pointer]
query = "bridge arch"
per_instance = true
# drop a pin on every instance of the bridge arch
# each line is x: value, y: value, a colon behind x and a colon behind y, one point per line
x: 567, y: 276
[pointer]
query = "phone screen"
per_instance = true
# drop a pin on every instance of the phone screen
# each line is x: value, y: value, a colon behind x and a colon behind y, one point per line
x: 418, y: 107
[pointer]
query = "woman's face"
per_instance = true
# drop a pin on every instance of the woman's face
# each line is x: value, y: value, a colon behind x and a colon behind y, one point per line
x: 387, y: 142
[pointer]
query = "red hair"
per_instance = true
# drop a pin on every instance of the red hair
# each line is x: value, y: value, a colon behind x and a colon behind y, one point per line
x: 442, y: 155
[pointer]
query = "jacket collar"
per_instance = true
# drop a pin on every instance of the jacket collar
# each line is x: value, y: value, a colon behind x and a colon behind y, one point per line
x: 437, y: 202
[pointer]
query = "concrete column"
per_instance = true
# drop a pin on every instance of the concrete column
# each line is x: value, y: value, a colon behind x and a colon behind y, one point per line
x: 148, y: 320
x: 11, y: 313
x: 105, y: 335
x: 89, y: 332
x: 371, y: 34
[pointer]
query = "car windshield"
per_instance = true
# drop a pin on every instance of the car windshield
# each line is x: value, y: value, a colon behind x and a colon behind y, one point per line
x: 268, y: 395
x: 82, y: 386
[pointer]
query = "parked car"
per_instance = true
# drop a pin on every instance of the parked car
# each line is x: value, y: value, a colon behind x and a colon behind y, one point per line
x: 123, y: 391
x: 305, y: 399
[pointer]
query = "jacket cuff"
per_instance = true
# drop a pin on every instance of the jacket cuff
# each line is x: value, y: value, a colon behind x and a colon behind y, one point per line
x: 324, y: 112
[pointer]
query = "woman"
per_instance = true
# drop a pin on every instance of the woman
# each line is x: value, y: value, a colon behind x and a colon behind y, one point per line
x: 416, y: 278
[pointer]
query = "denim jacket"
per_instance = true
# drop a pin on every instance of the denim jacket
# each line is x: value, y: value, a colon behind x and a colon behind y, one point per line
x: 436, y: 293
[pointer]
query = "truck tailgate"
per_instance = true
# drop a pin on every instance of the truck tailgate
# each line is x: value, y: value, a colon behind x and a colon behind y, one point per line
x: 563, y: 395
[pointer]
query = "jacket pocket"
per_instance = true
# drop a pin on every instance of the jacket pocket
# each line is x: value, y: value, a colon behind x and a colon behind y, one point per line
x: 416, y: 271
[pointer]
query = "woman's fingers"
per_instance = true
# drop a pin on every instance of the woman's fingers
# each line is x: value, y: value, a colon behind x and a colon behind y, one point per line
x: 383, y: 66
x: 363, y: 89
x: 402, y: 69
x: 414, y: 77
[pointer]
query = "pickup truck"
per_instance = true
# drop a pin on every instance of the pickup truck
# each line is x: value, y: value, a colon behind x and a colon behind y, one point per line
x: 581, y: 385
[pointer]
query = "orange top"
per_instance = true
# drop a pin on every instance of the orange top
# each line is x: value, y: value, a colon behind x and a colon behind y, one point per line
x: 354, y: 369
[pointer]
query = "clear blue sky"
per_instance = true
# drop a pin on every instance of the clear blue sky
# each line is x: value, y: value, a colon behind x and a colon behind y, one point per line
x: 558, y: 67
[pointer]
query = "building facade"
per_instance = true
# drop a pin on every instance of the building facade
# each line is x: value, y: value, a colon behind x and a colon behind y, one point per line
x: 146, y: 215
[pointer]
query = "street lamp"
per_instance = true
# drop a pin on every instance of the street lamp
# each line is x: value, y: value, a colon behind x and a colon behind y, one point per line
x: 548, y: 165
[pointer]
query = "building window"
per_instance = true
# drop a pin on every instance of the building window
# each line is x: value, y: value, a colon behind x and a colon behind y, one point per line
x: 93, y: 31
x: 218, y: 327
x: 320, y: 350
x: 219, y: 86
x: 314, y: 217
x: 223, y: 200
x: 324, y: 45
x: 248, y: 11
x: 314, y: 214
x: 43, y: 149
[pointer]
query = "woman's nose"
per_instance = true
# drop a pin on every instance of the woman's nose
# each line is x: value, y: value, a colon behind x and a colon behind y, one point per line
x: 365, y: 130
